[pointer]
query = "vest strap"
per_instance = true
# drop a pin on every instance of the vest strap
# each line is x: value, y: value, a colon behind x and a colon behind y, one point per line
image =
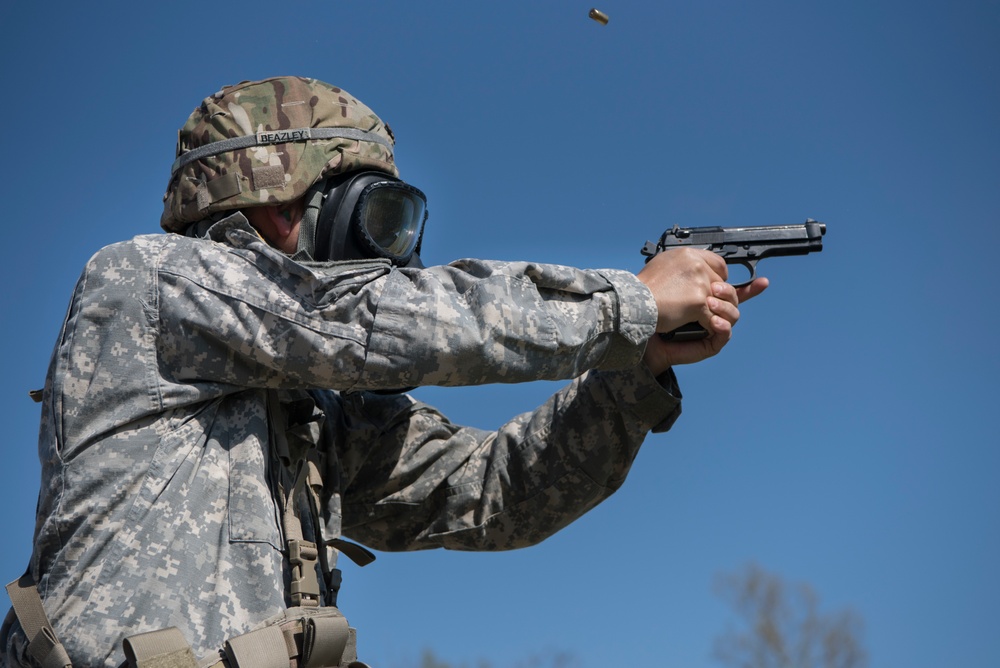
x: 43, y: 645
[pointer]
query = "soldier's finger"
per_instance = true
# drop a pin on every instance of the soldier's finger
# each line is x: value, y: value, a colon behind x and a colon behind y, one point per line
x: 716, y: 264
x: 725, y: 291
x: 753, y: 289
x: 723, y: 309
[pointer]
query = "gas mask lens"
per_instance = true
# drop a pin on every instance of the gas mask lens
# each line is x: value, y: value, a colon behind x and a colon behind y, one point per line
x: 370, y: 215
x: 389, y: 218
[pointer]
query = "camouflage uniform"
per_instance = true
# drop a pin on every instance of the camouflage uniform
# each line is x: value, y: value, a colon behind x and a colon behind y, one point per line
x: 181, y: 356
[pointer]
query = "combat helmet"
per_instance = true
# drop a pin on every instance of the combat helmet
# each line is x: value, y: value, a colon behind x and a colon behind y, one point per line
x: 267, y: 142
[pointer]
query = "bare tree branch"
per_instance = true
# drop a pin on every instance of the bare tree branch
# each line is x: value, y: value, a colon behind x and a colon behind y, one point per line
x: 781, y: 626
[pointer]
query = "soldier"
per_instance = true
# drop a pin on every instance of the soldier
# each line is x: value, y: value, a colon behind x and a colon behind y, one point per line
x: 225, y: 401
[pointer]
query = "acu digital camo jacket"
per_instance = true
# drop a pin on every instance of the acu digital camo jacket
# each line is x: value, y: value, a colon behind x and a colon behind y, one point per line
x: 157, y: 505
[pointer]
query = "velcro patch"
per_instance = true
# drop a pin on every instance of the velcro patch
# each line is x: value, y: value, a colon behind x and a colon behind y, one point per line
x: 272, y: 176
x: 221, y: 187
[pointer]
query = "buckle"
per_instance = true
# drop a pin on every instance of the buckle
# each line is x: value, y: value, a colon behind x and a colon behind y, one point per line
x: 302, y: 555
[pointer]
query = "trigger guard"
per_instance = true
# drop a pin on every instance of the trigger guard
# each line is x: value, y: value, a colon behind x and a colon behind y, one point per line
x: 751, y: 266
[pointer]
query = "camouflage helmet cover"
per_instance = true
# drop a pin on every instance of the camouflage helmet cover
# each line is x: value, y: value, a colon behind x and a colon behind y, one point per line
x: 266, y: 142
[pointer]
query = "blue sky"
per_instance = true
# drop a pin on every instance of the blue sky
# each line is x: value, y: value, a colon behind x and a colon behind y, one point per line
x: 845, y: 438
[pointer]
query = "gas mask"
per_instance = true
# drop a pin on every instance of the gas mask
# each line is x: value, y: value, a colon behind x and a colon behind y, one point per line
x: 364, y: 215
x: 361, y: 215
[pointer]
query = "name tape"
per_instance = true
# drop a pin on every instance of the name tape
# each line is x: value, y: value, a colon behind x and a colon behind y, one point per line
x: 283, y: 136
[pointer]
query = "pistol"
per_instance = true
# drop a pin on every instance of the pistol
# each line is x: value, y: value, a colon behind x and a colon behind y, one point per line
x: 744, y: 246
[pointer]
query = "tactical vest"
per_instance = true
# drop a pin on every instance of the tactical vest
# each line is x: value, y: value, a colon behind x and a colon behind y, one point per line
x: 311, y: 633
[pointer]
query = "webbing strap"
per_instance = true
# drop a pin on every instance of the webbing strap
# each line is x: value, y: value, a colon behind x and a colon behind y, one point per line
x: 263, y: 648
x: 165, y: 648
x: 279, y: 137
x: 47, y: 650
x: 302, y: 554
x: 359, y: 554
x: 290, y: 515
x: 43, y: 646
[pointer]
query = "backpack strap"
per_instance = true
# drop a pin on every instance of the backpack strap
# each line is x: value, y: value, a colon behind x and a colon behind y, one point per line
x: 295, y: 428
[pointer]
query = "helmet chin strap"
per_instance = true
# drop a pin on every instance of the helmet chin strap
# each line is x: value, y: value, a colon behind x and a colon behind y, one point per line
x: 313, y: 202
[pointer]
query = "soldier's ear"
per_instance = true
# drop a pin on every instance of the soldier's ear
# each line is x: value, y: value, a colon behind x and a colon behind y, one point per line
x: 284, y: 215
x: 291, y: 212
x: 278, y: 216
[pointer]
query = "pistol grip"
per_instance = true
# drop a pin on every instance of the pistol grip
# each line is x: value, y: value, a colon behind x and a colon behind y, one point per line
x: 689, y: 332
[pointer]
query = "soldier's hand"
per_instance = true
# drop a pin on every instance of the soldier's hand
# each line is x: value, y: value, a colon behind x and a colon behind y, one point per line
x: 681, y: 282
x: 689, y: 286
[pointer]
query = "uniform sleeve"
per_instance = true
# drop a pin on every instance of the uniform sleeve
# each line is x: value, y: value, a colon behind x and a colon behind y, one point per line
x: 423, y: 482
x: 239, y: 313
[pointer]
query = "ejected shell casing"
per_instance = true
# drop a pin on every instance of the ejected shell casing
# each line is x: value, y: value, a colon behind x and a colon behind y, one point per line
x: 599, y: 16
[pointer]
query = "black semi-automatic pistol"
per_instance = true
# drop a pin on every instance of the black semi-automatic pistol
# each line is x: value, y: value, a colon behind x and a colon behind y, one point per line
x: 745, y: 246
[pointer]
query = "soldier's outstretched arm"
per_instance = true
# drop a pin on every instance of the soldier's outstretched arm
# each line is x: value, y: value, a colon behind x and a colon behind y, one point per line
x: 423, y: 482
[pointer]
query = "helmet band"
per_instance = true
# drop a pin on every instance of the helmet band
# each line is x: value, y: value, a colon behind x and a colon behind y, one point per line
x: 275, y: 137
